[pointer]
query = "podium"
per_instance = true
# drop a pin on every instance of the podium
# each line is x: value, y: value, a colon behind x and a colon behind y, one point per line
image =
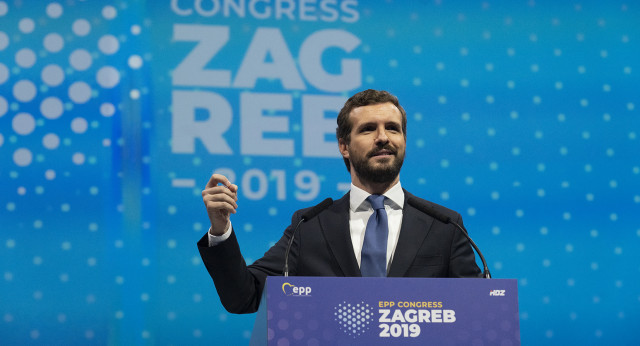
x: 390, y: 311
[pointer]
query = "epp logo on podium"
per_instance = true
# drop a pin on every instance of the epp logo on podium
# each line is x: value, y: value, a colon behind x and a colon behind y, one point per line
x: 292, y: 290
x: 497, y: 293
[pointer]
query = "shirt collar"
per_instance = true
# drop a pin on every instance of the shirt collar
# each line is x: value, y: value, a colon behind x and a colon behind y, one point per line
x: 357, y: 196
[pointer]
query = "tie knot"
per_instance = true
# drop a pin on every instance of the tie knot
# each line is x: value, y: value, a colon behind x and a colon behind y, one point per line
x: 377, y: 201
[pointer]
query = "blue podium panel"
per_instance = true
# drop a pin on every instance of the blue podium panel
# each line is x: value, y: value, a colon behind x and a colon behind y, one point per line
x: 399, y: 311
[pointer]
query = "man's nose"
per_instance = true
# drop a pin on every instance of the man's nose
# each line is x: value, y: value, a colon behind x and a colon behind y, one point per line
x: 381, y: 136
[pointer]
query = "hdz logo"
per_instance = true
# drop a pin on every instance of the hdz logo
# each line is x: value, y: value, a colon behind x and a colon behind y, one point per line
x: 292, y: 290
x: 497, y: 293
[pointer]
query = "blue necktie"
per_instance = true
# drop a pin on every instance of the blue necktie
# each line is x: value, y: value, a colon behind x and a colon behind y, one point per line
x: 374, y: 249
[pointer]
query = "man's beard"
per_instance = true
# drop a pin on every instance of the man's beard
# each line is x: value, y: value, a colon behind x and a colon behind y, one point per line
x: 382, y: 174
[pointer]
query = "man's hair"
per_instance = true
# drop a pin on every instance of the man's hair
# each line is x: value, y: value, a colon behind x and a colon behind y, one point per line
x: 364, y: 98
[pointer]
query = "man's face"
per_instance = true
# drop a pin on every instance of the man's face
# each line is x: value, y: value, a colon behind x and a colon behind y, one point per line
x: 377, y: 147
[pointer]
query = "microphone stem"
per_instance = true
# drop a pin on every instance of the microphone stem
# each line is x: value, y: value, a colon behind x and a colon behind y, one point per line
x: 486, y: 274
x: 286, y: 255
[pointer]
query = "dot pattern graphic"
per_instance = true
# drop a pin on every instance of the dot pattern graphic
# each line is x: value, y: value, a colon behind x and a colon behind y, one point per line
x: 354, y: 319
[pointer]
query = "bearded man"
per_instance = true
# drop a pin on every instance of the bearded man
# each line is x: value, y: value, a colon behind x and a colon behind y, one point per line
x: 373, y: 230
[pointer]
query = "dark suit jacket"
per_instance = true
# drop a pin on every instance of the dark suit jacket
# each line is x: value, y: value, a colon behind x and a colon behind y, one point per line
x: 322, y: 247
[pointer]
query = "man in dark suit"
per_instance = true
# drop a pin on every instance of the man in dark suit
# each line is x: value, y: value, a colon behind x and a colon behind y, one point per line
x: 371, y: 231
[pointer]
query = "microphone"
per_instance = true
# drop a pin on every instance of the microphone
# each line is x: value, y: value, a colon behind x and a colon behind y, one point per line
x: 308, y: 215
x: 446, y: 219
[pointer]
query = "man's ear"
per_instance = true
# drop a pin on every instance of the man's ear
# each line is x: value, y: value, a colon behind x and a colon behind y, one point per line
x: 344, y: 148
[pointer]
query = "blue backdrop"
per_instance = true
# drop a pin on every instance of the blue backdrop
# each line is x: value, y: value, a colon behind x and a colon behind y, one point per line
x: 522, y: 115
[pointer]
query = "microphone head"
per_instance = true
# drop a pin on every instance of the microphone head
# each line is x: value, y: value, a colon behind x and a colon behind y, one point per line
x: 317, y: 209
x: 414, y: 202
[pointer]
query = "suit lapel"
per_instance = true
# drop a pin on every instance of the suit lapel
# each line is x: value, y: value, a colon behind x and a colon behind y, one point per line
x: 334, y: 223
x: 414, y: 229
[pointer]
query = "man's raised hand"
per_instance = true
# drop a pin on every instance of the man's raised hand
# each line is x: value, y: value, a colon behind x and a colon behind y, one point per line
x: 220, y: 201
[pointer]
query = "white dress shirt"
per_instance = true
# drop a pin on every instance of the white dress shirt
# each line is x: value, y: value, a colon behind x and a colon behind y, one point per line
x: 359, y: 212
